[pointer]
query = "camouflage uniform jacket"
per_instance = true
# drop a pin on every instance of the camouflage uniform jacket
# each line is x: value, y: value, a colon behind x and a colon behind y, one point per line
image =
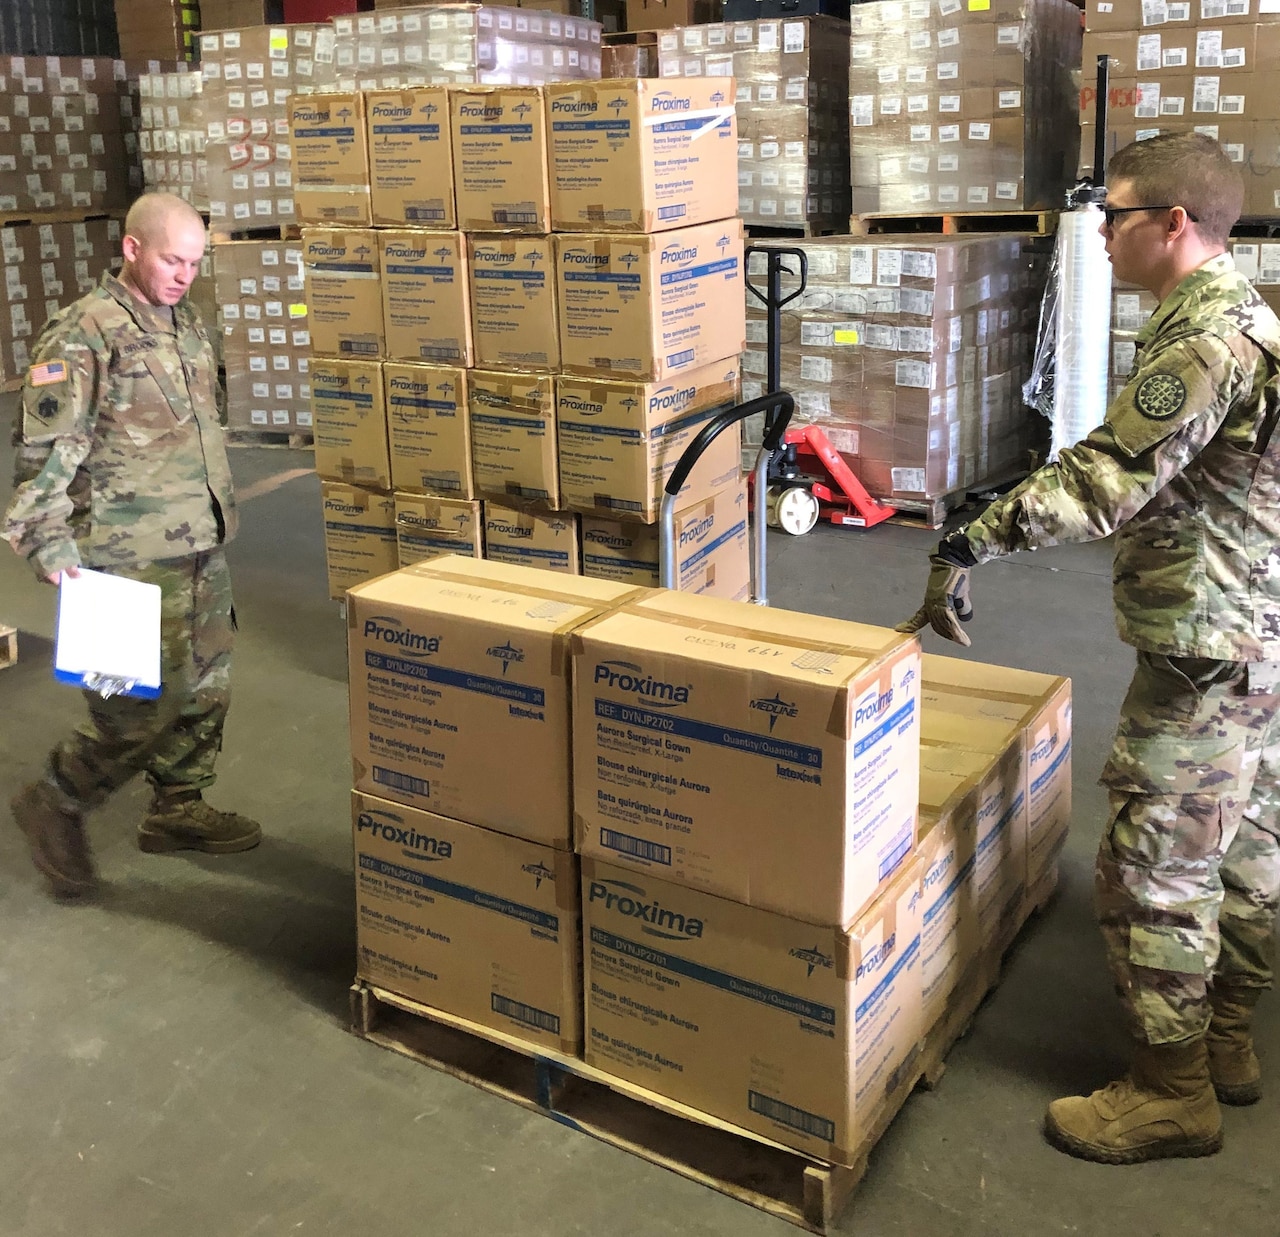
x: 1186, y: 465
x: 119, y: 453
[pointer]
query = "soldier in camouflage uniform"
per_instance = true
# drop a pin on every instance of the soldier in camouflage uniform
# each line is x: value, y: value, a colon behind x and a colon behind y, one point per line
x: 121, y: 468
x: 1184, y: 469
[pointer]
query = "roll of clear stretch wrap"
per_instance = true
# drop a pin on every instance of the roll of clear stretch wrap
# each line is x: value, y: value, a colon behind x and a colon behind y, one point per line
x: 1082, y: 327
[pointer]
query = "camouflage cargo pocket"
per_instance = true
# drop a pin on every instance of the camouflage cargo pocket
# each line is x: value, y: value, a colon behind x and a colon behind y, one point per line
x: 1172, y: 764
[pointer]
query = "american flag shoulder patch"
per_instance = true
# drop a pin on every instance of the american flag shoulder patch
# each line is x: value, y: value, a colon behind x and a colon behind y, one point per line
x: 47, y: 373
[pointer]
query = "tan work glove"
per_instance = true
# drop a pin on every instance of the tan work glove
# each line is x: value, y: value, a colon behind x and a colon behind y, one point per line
x: 946, y: 598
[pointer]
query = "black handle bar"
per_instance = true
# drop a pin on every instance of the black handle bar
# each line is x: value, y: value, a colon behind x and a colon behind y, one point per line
x: 780, y: 404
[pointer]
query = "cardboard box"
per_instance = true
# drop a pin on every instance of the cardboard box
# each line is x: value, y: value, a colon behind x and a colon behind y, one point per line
x: 762, y: 755
x: 650, y: 306
x: 950, y: 931
x: 619, y: 441
x: 350, y: 420
x: 411, y: 157
x: 531, y: 538
x: 513, y: 436
x: 513, y: 302
x: 1038, y: 704
x: 429, y: 429
x: 428, y: 527
x: 668, y: 14
x: 469, y: 921
x: 359, y: 535
x: 500, y: 158
x: 330, y: 159
x: 426, y: 300
x: 344, y: 294
x: 455, y: 665
x: 713, y: 547
x: 799, y: 1033
x: 642, y: 155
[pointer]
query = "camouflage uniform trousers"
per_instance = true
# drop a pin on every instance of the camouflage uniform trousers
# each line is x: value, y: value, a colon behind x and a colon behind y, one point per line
x: 176, y: 738
x: 1187, y: 880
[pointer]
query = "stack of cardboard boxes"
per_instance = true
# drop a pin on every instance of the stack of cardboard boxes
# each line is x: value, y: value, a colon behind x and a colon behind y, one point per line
x: 172, y: 135
x: 157, y: 29
x: 1193, y: 66
x: 962, y: 108
x: 548, y: 305
x: 444, y: 44
x: 790, y: 78
x: 778, y: 909
x: 911, y: 352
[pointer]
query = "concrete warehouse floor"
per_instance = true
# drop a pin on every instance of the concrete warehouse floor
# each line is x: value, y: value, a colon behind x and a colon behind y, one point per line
x: 174, y: 1059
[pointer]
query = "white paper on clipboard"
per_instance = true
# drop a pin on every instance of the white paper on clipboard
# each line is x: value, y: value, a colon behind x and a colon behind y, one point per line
x: 108, y: 635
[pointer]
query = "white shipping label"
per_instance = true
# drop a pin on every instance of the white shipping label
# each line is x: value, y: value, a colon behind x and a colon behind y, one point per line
x: 1208, y: 49
x: 921, y: 133
x: 907, y: 480
x: 1148, y: 52
x: 816, y: 334
x: 915, y: 339
x: 1007, y: 190
x: 793, y: 36
x: 979, y: 131
x: 890, y: 105
x: 920, y: 263
x: 950, y: 37
x: 948, y: 71
x: 888, y: 268
x: 917, y: 103
x: 816, y: 369
x: 1007, y: 99
x: 861, y: 264
x: 948, y: 103
x: 878, y: 335
x: 1204, y: 94
x: 978, y: 195
x: 948, y: 133
x: 1173, y: 105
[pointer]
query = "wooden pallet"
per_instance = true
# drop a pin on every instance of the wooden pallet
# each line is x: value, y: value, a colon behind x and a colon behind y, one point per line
x: 933, y: 512
x: 800, y: 1189
x: 220, y: 233
x: 809, y: 230
x: 8, y: 646
x: 1257, y: 228
x: 17, y: 218
x: 239, y: 436
x: 1038, y: 222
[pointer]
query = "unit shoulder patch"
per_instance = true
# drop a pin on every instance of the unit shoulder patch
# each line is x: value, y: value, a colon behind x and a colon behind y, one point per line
x: 1161, y: 396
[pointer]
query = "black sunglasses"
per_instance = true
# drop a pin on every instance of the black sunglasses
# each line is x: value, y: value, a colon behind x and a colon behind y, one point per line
x: 1109, y: 213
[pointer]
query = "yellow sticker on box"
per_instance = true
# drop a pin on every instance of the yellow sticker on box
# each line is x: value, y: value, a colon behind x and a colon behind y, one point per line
x: 297, y: 310
x: 847, y: 336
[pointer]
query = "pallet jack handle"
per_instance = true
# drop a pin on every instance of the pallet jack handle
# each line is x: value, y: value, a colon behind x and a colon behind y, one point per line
x: 771, y: 298
x: 777, y: 408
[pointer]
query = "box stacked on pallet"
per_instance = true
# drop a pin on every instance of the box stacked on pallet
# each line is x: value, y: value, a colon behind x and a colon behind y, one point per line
x: 1176, y: 67
x: 791, y: 78
x: 458, y: 43
x: 547, y: 374
x: 266, y: 349
x: 47, y: 266
x: 157, y: 29
x: 466, y: 882
x: 249, y: 76
x: 911, y: 352
x: 67, y: 133
x: 236, y: 14
x: 955, y: 108
x: 172, y: 135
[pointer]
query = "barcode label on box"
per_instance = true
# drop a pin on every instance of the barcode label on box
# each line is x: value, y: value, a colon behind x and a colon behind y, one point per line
x: 401, y: 781
x: 530, y: 1016
x: 789, y: 1115
x: 637, y: 848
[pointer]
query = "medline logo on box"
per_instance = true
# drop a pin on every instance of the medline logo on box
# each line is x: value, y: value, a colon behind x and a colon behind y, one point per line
x: 871, y: 706
x: 699, y: 528
x: 775, y: 707
x: 581, y: 257
x: 506, y: 654
x: 540, y: 872
x: 389, y: 630
x: 878, y: 956
x: 574, y: 106
x: 626, y: 676
x: 391, y: 830
x: 667, y: 102
x: 634, y: 903
x: 672, y: 399
x: 812, y: 958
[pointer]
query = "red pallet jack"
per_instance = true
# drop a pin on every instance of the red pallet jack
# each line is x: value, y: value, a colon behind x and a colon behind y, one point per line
x: 808, y: 478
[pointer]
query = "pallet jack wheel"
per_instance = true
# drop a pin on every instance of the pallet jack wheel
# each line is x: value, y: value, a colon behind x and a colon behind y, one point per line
x: 792, y: 508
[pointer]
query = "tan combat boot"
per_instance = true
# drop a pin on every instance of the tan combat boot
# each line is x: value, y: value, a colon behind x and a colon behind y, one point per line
x: 54, y: 827
x: 1164, y: 1109
x: 1236, y: 1074
x: 187, y: 822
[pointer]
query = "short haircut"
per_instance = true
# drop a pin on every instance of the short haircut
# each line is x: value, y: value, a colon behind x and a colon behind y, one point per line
x: 152, y: 213
x: 1184, y: 169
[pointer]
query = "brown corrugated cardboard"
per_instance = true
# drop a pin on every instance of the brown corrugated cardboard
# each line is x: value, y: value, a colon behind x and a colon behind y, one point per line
x: 469, y: 921
x: 426, y: 301
x: 799, y: 1033
x: 619, y: 441
x: 642, y: 155
x: 350, y: 422
x: 359, y: 535
x: 650, y: 306
x: 513, y: 436
x: 713, y: 547
x: 500, y: 158
x: 532, y: 539
x: 428, y: 527
x: 513, y: 302
x: 996, y: 697
x: 429, y: 427
x: 762, y: 755
x: 950, y: 930
x: 344, y: 296
x: 330, y: 159
x: 666, y: 14
x: 456, y: 665
x: 411, y: 157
